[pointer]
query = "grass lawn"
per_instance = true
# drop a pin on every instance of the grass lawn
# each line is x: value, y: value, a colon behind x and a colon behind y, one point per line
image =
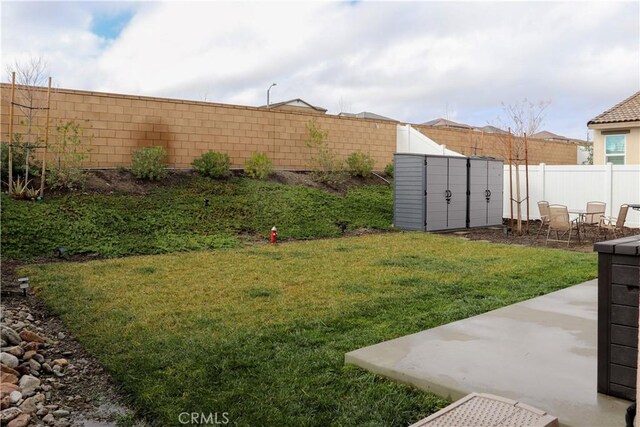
x: 174, y: 218
x: 261, y: 332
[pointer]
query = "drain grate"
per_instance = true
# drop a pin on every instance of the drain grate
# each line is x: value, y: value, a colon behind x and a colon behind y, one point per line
x: 487, y: 410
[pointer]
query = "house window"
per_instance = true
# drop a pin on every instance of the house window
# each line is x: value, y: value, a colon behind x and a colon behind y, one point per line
x: 615, y: 146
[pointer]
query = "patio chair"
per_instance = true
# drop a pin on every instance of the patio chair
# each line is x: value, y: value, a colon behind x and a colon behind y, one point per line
x: 543, y: 207
x: 609, y: 224
x: 560, y: 223
x: 592, y: 216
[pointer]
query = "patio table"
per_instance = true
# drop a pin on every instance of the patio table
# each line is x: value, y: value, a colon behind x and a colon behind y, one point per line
x: 580, y: 215
x: 634, y: 207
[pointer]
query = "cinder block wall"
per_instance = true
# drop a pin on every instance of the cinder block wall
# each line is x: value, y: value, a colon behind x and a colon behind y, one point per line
x: 120, y: 124
x: 470, y: 143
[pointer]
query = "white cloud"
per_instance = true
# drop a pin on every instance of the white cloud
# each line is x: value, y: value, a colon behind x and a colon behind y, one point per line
x: 408, y: 60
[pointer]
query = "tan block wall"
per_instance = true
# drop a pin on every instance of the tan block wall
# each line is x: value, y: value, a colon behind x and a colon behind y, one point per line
x: 469, y: 143
x: 121, y: 124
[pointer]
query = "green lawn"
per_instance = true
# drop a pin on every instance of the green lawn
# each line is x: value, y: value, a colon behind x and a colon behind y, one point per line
x: 261, y: 332
x: 174, y: 217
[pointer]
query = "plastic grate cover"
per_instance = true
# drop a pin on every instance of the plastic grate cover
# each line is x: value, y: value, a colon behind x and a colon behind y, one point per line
x: 484, y: 410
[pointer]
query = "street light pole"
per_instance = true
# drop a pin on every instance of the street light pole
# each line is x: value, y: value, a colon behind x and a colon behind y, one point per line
x: 272, y: 85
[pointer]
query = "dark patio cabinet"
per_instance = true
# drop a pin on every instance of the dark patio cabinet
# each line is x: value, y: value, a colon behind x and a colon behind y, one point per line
x: 434, y: 193
x: 618, y: 284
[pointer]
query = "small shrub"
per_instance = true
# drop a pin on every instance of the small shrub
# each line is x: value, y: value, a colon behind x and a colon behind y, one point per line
x: 69, y: 152
x: 148, y: 163
x: 360, y: 164
x: 213, y: 164
x: 258, y: 166
x: 388, y: 170
x: 326, y: 167
x: 18, y: 160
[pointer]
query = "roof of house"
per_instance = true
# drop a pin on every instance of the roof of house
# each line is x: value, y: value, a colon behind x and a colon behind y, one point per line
x: 446, y: 123
x: 490, y: 129
x: 295, y: 103
x: 366, y: 115
x: 545, y: 134
x: 625, y: 111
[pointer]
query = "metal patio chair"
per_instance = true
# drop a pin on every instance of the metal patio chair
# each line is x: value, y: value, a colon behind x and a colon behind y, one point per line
x: 543, y: 207
x: 591, y: 218
x: 609, y: 224
x: 560, y: 223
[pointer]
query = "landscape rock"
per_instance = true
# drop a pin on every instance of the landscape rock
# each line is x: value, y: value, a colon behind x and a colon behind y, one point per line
x: 5, y: 403
x: 61, y: 362
x: 29, y: 354
x: 42, y: 412
x: 30, y: 317
x: 8, y: 414
x: 29, y: 336
x: 34, y: 365
x: 29, y: 384
x: 6, y: 377
x: 9, y: 359
x: 32, y: 346
x: 9, y: 335
x: 7, y: 388
x: 49, y: 419
x: 18, y: 326
x: 8, y: 370
x: 38, y: 358
x: 20, y: 421
x: 17, y: 351
x: 47, y: 368
x: 15, y: 396
x: 61, y: 335
x: 3, y: 343
x: 59, y: 413
x: 30, y: 404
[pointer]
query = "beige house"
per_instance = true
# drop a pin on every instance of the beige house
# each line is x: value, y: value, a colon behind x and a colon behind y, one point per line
x: 296, y: 105
x: 616, y: 133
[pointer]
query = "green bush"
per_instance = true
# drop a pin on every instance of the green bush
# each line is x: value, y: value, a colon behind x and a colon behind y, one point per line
x: 258, y: 166
x: 69, y: 151
x: 388, y: 170
x: 360, y: 164
x: 18, y: 161
x: 148, y: 163
x: 325, y: 166
x: 213, y: 164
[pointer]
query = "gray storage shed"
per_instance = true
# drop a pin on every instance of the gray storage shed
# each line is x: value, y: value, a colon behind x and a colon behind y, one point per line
x: 445, y: 192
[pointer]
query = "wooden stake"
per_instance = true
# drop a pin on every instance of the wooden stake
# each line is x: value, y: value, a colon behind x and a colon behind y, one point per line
x: 518, y: 200
x: 46, y: 140
x: 510, y: 179
x: 13, y: 91
x: 526, y: 177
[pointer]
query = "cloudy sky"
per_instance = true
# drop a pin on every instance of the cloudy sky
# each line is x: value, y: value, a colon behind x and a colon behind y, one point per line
x: 412, y: 61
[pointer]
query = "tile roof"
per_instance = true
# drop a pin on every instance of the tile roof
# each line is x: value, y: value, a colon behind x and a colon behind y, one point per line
x: 626, y: 111
x: 446, y: 123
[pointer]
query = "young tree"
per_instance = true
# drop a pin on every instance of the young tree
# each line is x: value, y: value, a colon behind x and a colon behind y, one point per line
x: 30, y: 101
x: 522, y: 119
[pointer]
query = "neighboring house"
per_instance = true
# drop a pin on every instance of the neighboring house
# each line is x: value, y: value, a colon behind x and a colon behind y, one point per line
x: 366, y: 115
x: 446, y: 124
x: 296, y: 105
x: 616, y: 133
x: 490, y: 129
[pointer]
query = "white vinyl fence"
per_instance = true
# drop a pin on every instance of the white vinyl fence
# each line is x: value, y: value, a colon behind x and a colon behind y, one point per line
x: 574, y: 186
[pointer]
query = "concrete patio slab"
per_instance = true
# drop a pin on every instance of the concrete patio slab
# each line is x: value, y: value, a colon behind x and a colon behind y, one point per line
x: 541, y: 352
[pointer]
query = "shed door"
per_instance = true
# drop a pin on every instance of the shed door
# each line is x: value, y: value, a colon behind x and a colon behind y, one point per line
x: 408, y: 197
x: 495, y: 180
x: 457, y: 206
x: 436, y: 185
x: 478, y: 185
